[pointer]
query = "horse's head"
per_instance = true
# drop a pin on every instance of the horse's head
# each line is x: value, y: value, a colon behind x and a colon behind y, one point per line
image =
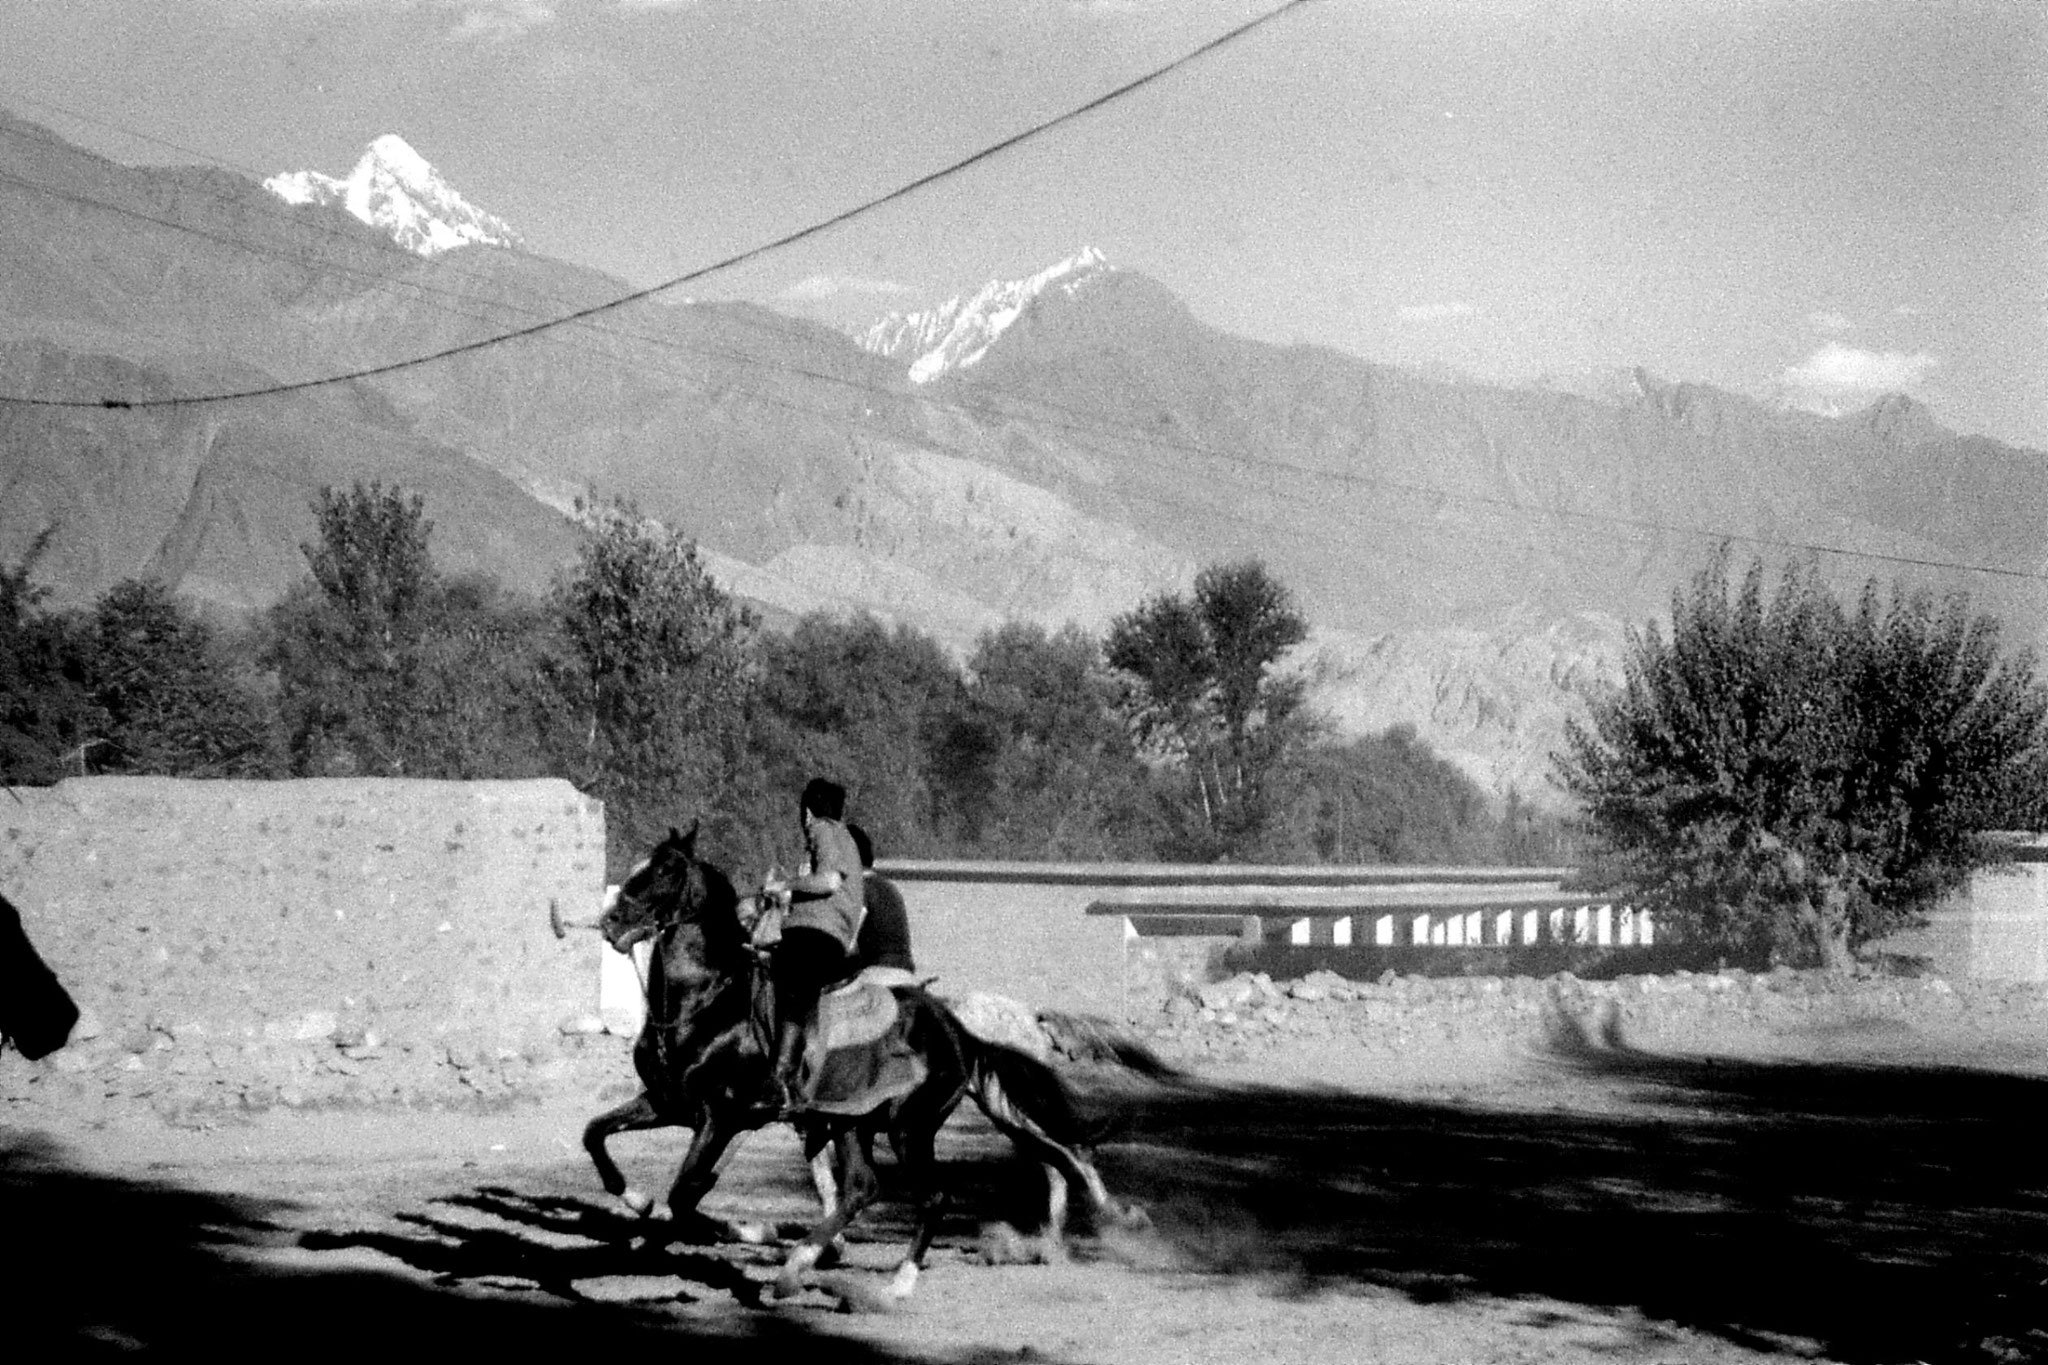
x: 671, y: 885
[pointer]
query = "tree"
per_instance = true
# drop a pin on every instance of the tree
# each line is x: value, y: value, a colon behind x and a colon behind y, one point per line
x: 170, y: 702
x: 1204, y: 698
x: 1789, y: 781
x: 664, y: 671
x: 347, y: 642
x: 1036, y: 761
x: 48, y: 722
x: 870, y: 707
x: 497, y: 688
x: 1387, y: 798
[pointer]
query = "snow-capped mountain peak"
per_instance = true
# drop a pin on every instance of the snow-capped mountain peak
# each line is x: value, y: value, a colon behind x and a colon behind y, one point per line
x: 395, y: 189
x: 959, y: 331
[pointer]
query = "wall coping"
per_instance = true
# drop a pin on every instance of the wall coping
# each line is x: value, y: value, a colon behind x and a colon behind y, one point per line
x: 1210, y: 875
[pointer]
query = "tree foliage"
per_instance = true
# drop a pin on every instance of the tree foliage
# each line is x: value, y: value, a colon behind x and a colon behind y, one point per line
x: 48, y: 722
x: 169, y: 701
x: 347, y: 641
x: 1204, y: 698
x: 1035, y: 757
x: 1791, y: 780
x: 1387, y: 798
x: 646, y: 684
x: 868, y: 706
x: 663, y: 666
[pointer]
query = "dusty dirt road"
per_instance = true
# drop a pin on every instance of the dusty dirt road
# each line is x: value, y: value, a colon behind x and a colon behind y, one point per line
x: 1875, y: 1194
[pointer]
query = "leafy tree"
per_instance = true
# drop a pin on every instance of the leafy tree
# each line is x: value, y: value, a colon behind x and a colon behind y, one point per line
x: 871, y: 707
x: 497, y: 687
x: 1037, y: 762
x: 1789, y: 781
x: 48, y: 722
x: 347, y: 642
x: 1204, y: 698
x: 664, y: 671
x: 170, y: 702
x: 1387, y: 798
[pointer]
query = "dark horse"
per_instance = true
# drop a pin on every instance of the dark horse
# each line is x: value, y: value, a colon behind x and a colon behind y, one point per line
x: 36, y: 1013
x: 703, y: 1053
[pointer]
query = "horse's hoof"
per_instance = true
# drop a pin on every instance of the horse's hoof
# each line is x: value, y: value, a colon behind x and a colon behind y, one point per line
x: 833, y: 1254
x: 903, y: 1281
x: 751, y: 1234
x: 1133, y: 1218
x: 638, y: 1203
x: 790, y: 1282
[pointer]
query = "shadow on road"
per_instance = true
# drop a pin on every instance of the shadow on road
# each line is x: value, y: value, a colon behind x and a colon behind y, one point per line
x: 104, y: 1266
x: 1887, y: 1213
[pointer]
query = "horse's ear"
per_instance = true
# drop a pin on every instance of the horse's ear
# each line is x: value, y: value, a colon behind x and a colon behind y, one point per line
x: 689, y: 841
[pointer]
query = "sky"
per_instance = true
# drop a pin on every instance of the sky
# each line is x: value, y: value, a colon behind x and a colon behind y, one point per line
x: 1819, y: 201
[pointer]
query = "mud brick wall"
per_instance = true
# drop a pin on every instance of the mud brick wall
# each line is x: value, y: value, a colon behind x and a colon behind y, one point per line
x: 328, y: 912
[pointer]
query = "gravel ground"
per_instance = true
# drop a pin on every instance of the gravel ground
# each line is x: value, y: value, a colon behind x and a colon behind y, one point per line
x: 1709, y: 1168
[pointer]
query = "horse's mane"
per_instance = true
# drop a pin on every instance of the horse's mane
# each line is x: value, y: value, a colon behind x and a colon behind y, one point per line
x: 723, y: 933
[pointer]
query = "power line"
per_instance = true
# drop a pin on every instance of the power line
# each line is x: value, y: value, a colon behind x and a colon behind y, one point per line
x: 739, y: 258
x: 1079, y: 422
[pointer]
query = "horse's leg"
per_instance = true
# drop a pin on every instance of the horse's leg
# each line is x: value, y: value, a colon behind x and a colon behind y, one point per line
x: 857, y: 1184
x: 634, y: 1115
x: 1065, y: 1165
x: 822, y: 1160
x: 1054, y: 1239
x: 713, y: 1144
x: 913, y: 1133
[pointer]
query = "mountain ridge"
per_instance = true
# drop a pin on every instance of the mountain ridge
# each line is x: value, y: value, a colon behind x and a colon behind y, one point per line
x: 1467, y: 553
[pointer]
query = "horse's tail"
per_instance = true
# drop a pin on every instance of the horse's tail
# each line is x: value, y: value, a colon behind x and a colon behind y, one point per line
x: 1019, y: 1093
x: 1012, y: 1084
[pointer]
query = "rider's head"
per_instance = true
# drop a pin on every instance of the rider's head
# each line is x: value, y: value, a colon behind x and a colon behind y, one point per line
x: 826, y: 800
x: 862, y: 844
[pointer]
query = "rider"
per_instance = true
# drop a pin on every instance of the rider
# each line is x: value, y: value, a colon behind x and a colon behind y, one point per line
x: 818, y: 930
x: 885, y: 932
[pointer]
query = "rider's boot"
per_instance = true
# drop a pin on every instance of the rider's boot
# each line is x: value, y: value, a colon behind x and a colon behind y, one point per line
x: 776, y: 1098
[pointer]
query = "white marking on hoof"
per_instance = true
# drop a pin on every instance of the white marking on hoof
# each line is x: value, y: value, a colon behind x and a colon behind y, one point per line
x: 639, y: 1203
x: 790, y: 1282
x: 903, y: 1281
x: 752, y: 1234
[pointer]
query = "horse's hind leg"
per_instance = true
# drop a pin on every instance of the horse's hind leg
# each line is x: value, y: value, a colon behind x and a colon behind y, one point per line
x: 913, y: 1132
x: 1064, y: 1165
x: 634, y: 1115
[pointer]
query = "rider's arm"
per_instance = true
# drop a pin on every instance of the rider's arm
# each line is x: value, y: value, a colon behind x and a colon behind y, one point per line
x: 809, y: 885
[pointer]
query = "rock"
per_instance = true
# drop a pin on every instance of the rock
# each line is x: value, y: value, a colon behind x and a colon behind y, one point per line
x: 349, y: 1035
x: 581, y: 1025
x: 1228, y: 995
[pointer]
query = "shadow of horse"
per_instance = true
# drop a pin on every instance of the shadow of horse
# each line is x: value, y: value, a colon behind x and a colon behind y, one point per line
x: 114, y: 1266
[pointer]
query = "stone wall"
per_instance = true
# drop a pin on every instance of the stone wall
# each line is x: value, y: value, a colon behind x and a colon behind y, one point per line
x: 334, y: 913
